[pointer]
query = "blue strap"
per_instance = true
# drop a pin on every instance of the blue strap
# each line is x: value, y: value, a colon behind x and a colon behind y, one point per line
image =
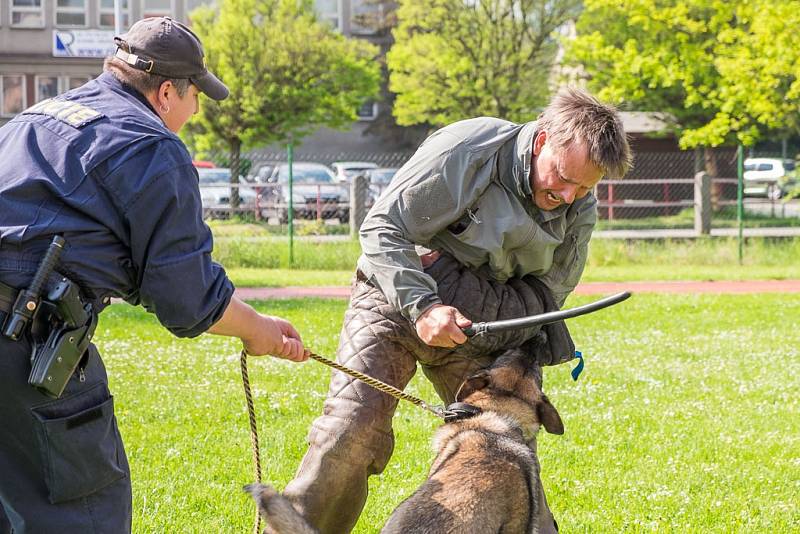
x: 576, y: 372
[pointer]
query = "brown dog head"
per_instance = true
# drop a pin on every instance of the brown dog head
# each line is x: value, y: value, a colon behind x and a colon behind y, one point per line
x: 509, y: 386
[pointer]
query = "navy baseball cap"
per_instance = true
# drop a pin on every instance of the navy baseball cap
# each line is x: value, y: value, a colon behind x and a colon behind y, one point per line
x: 160, y: 45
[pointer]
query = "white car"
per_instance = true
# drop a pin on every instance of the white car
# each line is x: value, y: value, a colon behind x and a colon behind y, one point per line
x: 769, y: 177
x: 345, y: 170
x: 216, y: 195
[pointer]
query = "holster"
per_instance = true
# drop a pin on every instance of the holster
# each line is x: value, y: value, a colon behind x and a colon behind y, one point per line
x: 60, y: 331
x: 55, y: 361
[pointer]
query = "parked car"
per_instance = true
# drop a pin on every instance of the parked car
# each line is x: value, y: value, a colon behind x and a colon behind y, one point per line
x: 379, y: 179
x: 216, y: 197
x: 261, y: 172
x: 315, y: 192
x: 769, y: 177
x: 345, y: 170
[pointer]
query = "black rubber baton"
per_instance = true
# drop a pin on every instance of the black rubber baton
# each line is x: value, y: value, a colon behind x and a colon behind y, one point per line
x: 27, y: 303
x: 478, y: 329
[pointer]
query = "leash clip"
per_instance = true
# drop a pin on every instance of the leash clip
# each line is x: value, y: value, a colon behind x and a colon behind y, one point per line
x: 436, y: 409
x: 460, y: 410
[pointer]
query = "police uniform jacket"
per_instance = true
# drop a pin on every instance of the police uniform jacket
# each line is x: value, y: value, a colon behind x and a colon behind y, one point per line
x: 466, y: 192
x: 98, y: 166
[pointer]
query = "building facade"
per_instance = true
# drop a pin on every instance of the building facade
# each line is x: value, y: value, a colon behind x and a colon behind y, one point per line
x: 50, y: 46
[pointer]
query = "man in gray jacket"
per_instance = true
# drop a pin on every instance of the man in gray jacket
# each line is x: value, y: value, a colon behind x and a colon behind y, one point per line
x: 488, y: 220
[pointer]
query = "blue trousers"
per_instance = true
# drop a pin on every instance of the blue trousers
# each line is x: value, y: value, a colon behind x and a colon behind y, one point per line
x: 62, y: 463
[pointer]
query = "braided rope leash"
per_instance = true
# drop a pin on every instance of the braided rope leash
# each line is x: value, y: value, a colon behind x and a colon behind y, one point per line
x: 438, y: 411
x: 251, y: 412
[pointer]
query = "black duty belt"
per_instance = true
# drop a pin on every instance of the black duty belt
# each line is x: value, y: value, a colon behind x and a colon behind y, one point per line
x: 8, y: 295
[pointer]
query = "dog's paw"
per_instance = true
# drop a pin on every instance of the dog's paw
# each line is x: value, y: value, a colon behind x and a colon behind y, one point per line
x: 278, y: 513
x: 259, y: 491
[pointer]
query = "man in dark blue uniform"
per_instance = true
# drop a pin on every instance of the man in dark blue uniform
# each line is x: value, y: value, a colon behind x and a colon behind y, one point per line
x: 102, y: 167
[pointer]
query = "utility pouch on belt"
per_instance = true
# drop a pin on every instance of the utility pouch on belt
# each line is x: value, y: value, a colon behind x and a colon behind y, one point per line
x: 55, y: 361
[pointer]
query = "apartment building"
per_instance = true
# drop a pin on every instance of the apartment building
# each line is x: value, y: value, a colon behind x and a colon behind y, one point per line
x: 50, y: 46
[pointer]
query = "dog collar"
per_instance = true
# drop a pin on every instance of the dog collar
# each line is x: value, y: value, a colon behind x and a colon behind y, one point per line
x: 460, y: 410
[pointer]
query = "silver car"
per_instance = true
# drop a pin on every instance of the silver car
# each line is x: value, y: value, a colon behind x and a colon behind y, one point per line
x: 315, y: 193
x: 215, y: 192
x: 379, y: 179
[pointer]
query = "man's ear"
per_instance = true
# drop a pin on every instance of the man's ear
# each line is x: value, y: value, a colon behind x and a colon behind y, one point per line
x: 548, y: 416
x: 474, y: 383
x: 538, y: 142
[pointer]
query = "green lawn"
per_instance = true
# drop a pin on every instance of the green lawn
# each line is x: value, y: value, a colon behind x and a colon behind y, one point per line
x: 686, y: 419
x: 723, y: 218
x: 616, y: 273
x: 254, y: 277
x: 253, y: 264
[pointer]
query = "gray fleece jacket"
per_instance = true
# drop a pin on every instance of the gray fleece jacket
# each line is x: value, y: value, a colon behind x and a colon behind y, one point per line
x: 466, y: 192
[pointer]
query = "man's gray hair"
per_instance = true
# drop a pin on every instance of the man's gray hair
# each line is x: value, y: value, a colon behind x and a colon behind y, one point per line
x: 576, y: 116
x: 142, y: 81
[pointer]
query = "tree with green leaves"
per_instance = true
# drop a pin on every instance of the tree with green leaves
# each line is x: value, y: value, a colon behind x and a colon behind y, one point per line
x: 725, y: 70
x: 454, y: 59
x: 287, y: 73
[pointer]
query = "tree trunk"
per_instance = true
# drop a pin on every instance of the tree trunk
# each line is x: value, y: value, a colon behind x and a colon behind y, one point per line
x: 235, y: 146
x: 711, y: 167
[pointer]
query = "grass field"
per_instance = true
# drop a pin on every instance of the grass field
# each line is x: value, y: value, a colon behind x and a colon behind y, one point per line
x: 686, y: 419
x: 264, y: 262
x: 723, y: 218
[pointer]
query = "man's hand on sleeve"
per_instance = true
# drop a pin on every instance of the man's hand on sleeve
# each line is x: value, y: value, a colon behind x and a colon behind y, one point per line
x: 440, y: 326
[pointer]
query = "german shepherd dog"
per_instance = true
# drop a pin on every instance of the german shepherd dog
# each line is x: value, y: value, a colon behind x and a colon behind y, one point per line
x: 485, y: 477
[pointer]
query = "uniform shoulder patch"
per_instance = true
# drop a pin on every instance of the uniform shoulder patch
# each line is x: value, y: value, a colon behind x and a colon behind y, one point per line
x: 66, y: 111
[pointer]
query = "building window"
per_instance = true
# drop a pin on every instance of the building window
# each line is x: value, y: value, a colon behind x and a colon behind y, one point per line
x: 12, y: 94
x: 46, y: 87
x: 72, y: 82
x: 107, y: 14
x: 367, y: 17
x: 27, y: 13
x: 157, y: 8
x: 191, y: 5
x: 71, y: 13
x: 329, y: 11
x: 368, y: 111
x: 50, y: 86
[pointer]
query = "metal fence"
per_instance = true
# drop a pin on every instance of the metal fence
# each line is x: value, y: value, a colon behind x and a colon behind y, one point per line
x: 269, y: 203
x: 382, y: 159
x: 659, y: 193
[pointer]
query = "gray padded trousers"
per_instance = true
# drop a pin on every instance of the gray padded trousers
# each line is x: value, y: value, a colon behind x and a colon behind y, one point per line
x: 353, y: 439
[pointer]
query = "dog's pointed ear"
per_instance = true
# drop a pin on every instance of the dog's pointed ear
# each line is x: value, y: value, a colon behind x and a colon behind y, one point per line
x: 475, y: 382
x: 548, y: 416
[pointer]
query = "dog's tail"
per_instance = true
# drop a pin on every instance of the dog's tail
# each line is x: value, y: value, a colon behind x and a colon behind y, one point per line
x: 278, y: 512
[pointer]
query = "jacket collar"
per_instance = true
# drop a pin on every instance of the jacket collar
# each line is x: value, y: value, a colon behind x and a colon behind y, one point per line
x: 521, y: 171
x: 523, y: 156
x: 109, y: 79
